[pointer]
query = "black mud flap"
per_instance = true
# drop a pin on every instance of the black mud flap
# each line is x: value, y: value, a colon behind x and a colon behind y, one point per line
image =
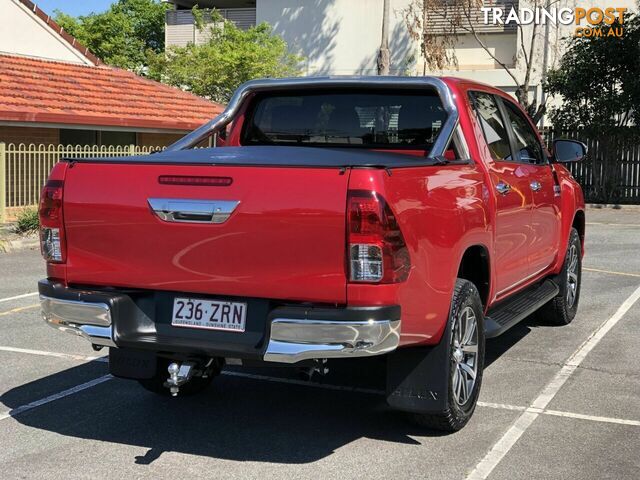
x: 418, y: 378
x: 129, y: 363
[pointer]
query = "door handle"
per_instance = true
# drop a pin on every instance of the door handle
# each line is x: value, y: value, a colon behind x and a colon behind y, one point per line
x: 535, y: 185
x: 192, y: 211
x: 503, y: 188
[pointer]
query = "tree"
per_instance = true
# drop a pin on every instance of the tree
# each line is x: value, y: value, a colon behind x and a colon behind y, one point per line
x: 463, y: 17
x: 230, y: 57
x: 598, y: 79
x: 384, y: 56
x: 123, y: 34
x: 436, y: 46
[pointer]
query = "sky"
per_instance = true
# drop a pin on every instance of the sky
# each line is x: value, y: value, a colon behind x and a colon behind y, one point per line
x: 73, y: 7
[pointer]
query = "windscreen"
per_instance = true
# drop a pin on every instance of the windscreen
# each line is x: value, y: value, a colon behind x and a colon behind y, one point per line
x: 344, y: 118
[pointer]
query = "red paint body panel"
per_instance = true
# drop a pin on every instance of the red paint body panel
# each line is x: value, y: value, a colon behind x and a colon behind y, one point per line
x: 441, y: 213
x: 548, y: 226
x: 571, y: 202
x: 287, y: 238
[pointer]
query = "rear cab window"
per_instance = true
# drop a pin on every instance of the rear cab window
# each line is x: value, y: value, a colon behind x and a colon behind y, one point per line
x: 369, y: 119
x: 493, y: 126
x: 527, y: 144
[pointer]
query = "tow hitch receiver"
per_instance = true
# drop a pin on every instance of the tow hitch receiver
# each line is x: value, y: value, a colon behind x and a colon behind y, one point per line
x: 179, y: 374
x: 319, y: 366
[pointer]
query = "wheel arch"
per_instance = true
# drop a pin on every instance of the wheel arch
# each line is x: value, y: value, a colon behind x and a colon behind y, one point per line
x: 579, y: 223
x: 475, y: 267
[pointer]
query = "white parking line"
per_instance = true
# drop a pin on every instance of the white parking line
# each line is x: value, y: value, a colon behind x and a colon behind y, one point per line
x: 614, y: 224
x: 19, y: 309
x: 593, y: 418
x: 54, y: 397
x: 501, y: 406
x: 18, y: 297
x: 524, y: 421
x: 611, y: 272
x: 558, y: 413
x: 43, y: 353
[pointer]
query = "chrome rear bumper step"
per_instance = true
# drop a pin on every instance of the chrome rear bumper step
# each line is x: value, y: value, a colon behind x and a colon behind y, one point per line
x: 89, y: 320
x: 294, y: 340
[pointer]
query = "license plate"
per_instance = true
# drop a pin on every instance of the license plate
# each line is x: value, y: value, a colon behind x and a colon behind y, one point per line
x: 209, y: 314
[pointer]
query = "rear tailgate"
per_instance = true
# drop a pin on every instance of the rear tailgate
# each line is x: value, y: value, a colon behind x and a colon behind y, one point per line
x: 285, y: 239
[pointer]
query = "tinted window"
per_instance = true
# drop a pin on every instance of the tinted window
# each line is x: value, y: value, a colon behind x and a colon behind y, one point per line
x: 344, y: 118
x: 78, y: 137
x: 493, y: 127
x: 526, y: 139
x: 99, y: 138
x: 117, y: 139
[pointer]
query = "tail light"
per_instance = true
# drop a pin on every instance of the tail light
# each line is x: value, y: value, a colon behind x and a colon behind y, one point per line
x: 377, y: 250
x: 52, y: 242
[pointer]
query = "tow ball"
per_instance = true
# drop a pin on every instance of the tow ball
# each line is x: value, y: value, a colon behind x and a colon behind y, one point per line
x: 179, y: 374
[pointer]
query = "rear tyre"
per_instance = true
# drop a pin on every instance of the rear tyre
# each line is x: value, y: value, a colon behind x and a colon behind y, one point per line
x: 155, y: 384
x: 562, y: 309
x: 465, y: 338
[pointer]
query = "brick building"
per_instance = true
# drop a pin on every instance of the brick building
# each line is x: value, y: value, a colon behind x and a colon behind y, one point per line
x: 54, y: 91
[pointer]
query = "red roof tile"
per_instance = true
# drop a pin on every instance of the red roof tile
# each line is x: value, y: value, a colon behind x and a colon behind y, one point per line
x: 41, y: 91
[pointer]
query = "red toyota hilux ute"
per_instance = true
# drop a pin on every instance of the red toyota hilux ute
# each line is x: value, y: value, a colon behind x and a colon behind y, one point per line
x: 410, y: 218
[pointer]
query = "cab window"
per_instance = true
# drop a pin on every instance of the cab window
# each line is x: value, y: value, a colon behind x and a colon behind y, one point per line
x: 527, y: 144
x: 380, y: 119
x: 493, y: 127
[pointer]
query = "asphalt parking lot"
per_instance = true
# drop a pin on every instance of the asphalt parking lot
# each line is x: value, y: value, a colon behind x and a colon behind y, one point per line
x: 556, y: 402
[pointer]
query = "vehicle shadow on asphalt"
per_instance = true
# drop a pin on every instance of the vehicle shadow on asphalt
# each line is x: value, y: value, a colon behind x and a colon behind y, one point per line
x: 241, y: 419
x: 237, y: 418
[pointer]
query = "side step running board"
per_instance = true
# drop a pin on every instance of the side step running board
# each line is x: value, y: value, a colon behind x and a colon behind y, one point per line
x: 511, y: 311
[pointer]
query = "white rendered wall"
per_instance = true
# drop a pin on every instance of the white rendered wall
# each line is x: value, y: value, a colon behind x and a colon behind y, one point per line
x: 22, y: 33
x: 338, y: 37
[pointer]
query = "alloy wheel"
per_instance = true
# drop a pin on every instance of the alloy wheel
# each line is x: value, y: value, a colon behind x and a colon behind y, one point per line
x: 572, y: 276
x: 464, y: 355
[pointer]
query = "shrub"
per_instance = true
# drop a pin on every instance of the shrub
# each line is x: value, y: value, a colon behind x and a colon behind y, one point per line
x: 229, y: 58
x: 28, y: 221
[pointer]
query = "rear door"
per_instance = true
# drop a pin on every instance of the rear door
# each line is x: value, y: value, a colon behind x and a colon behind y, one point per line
x: 543, y: 244
x: 285, y: 238
x: 510, y: 181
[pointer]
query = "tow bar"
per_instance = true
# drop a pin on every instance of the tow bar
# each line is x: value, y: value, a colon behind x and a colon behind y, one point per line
x: 179, y: 374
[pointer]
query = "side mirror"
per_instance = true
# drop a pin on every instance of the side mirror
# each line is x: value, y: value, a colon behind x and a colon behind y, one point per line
x: 565, y: 151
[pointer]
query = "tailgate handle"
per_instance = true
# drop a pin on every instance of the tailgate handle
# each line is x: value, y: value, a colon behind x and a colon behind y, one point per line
x: 192, y: 211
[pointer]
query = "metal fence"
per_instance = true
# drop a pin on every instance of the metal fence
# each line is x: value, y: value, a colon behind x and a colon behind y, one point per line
x: 611, y: 171
x: 609, y: 174
x: 24, y: 168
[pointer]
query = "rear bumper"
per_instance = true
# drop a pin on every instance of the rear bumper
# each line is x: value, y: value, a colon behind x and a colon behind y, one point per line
x: 89, y: 320
x: 283, y: 334
x: 303, y: 334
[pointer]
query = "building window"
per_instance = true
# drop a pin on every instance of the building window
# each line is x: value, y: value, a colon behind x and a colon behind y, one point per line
x: 78, y: 137
x: 97, y: 137
x: 117, y: 139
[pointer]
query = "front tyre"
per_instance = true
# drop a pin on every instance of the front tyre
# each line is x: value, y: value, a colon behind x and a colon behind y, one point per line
x: 465, y: 337
x: 562, y: 309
